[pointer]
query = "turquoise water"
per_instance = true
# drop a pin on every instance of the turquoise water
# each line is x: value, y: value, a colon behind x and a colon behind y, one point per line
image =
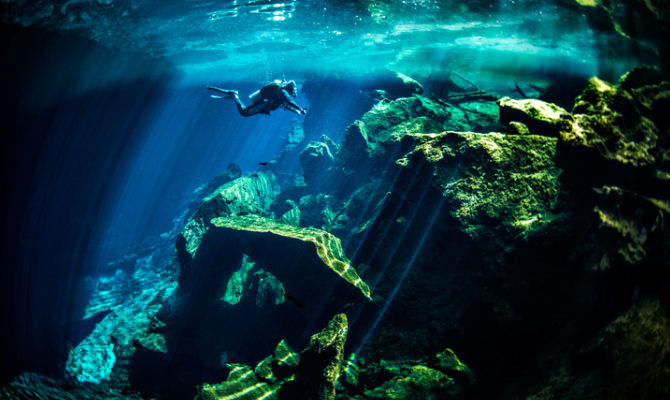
x: 117, y: 158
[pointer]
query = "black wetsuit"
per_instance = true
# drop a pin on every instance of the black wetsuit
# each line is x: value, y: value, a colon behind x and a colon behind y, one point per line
x: 272, y: 96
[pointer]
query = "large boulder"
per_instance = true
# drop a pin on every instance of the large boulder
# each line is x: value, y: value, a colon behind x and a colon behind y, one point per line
x: 373, y: 141
x: 493, y: 181
x: 539, y: 117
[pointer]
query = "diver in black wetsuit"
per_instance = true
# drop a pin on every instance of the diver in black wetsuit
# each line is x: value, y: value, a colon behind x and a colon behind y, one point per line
x: 269, y: 98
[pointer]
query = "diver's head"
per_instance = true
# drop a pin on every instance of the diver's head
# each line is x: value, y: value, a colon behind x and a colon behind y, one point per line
x: 291, y: 88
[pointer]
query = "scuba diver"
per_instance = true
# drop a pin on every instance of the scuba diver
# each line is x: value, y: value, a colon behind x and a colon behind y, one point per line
x: 268, y: 98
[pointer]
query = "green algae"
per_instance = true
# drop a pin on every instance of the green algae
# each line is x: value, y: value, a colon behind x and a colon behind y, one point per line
x: 328, y: 247
x: 509, y: 178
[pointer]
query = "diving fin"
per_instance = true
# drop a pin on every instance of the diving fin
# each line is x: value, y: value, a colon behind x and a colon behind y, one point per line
x: 229, y: 94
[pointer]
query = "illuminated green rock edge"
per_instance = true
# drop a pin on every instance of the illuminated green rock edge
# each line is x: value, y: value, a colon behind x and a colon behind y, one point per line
x: 241, y: 384
x: 261, y: 382
x: 328, y: 246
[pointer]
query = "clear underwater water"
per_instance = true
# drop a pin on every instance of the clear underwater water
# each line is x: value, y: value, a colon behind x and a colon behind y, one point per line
x: 110, y: 130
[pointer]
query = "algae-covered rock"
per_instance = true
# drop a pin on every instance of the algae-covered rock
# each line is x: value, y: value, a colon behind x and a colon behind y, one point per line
x: 374, y: 138
x: 292, y: 216
x: 279, y: 365
x: 269, y: 290
x: 442, y: 376
x: 326, y: 246
x: 320, y: 362
x: 619, y: 121
x: 421, y: 383
x: 449, y: 362
x: 285, y: 374
x: 511, y: 179
x: 540, y: 117
x: 638, y: 344
x: 241, y: 384
x: 253, y: 194
x: 628, y: 228
x: 482, y: 116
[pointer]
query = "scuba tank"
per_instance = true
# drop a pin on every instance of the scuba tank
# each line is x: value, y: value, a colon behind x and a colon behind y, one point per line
x: 266, y: 93
x: 255, y: 96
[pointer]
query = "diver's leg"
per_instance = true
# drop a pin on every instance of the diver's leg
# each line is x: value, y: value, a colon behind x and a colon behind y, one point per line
x: 242, y: 109
x: 253, y: 109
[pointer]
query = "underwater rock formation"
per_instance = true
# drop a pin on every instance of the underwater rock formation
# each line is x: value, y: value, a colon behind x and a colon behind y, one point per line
x: 613, y: 151
x: 327, y: 247
x: 99, y: 356
x: 509, y: 179
x: 539, y: 117
x: 253, y: 194
x: 317, y: 158
x: 320, y: 362
x: 537, y: 253
x: 623, y: 123
x: 312, y: 374
x: 31, y: 386
x: 442, y: 376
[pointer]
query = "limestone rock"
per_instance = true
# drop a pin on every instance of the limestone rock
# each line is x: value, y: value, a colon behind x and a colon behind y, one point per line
x: 327, y: 247
x: 374, y: 139
x: 540, y: 117
x: 292, y: 216
x: 511, y: 179
x: 634, y: 347
x: 421, y: 383
x: 482, y: 116
x: 237, y: 284
x: 269, y: 290
x: 241, y: 384
x: 320, y: 362
x: 617, y: 122
x: 628, y: 229
x: 130, y: 321
x: 252, y: 194
x: 317, y: 158
x: 441, y: 377
x: 260, y: 383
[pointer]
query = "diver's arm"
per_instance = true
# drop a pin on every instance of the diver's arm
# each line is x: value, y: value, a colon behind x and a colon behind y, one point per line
x: 292, y: 105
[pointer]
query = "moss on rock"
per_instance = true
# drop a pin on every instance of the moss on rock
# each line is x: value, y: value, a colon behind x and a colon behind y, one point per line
x: 511, y: 179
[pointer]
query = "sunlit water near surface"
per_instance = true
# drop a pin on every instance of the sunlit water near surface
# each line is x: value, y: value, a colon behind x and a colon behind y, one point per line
x: 112, y: 138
